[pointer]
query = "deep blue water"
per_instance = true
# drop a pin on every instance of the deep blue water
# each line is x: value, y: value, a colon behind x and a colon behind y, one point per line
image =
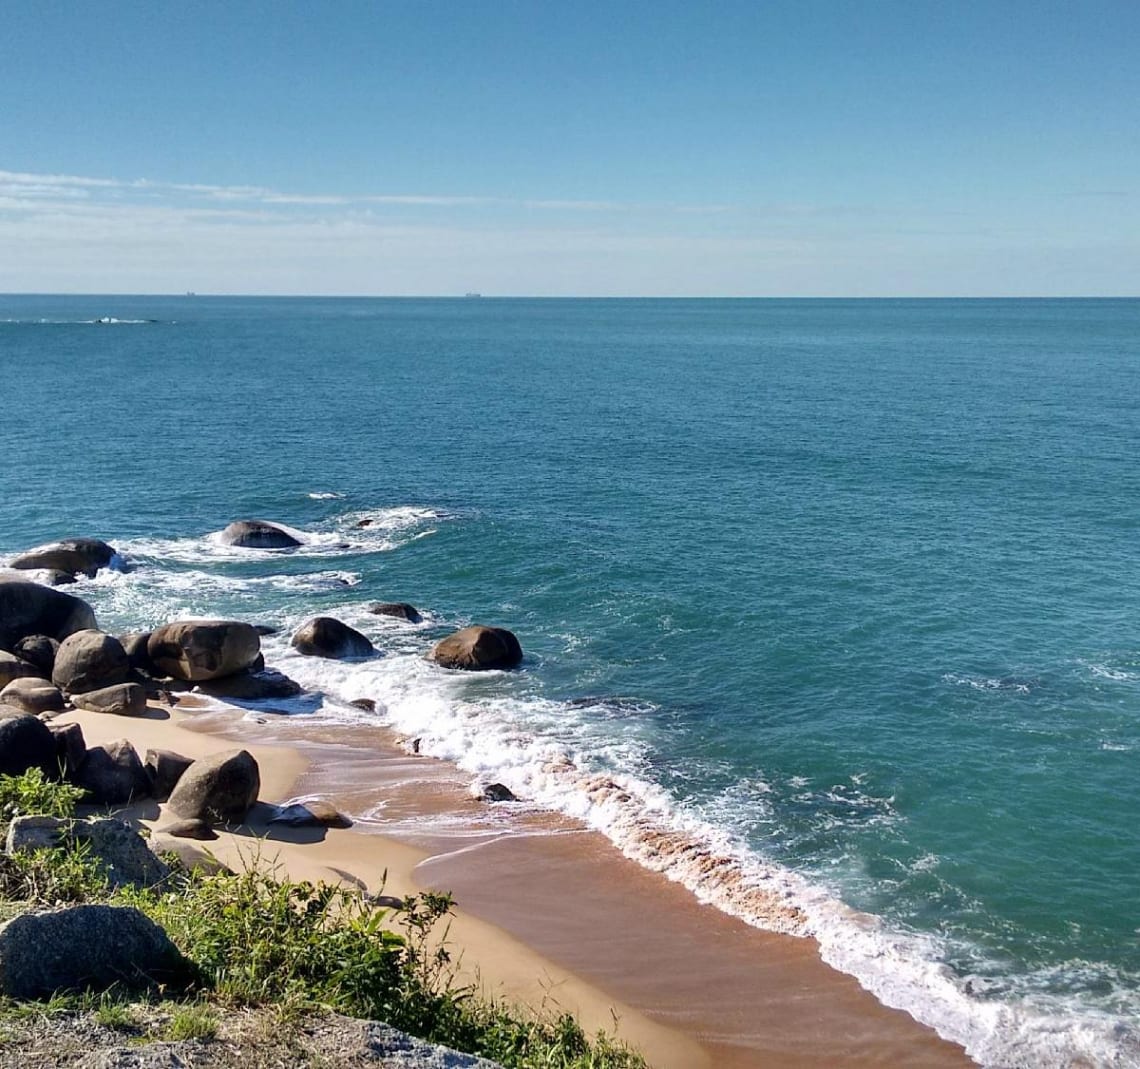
x: 851, y: 586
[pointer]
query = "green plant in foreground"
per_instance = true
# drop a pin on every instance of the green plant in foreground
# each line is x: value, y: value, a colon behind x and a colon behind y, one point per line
x: 192, y: 1020
x: 32, y: 793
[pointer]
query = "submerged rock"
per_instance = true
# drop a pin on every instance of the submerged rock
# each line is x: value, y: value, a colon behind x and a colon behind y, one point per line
x: 478, y: 648
x: 324, y: 636
x: 497, y: 792
x: 74, y: 556
x: 258, y: 534
x: 401, y: 610
x: 251, y: 686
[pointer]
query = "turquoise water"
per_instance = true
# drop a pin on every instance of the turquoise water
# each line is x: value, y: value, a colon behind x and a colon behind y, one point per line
x: 843, y: 592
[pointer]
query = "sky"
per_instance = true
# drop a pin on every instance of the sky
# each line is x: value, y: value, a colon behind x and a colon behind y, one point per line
x: 779, y: 148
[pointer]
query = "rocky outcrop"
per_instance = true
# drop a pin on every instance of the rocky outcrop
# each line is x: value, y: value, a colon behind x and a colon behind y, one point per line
x: 39, y: 651
x: 164, y: 768
x: 13, y: 667
x: 399, y: 609
x: 324, y: 636
x: 89, y: 660
x: 113, y: 774
x: 83, y: 947
x: 120, y: 853
x: 28, y: 608
x: 195, y: 650
x: 32, y: 695
x: 265, y: 685
x: 25, y: 742
x: 121, y: 699
x: 75, y: 556
x: 312, y: 814
x: 219, y: 788
x: 258, y: 534
x: 478, y: 648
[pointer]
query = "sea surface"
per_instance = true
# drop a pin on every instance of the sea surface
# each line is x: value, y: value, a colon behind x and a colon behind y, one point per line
x: 831, y: 609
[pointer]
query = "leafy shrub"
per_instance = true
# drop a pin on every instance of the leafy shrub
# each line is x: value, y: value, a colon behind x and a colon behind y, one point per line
x: 33, y: 794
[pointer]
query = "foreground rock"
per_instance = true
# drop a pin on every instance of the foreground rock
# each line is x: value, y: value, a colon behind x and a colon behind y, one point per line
x: 258, y: 534
x: 399, y: 609
x: 38, y: 650
x: 70, y: 748
x: 120, y: 852
x: 26, y: 742
x: 220, y: 788
x: 122, y: 699
x: 164, y: 768
x: 478, y: 648
x: 84, y: 948
x: 32, y: 695
x: 113, y: 774
x: 324, y: 636
x: 75, y: 556
x: 13, y: 667
x: 250, y: 686
x: 28, y: 608
x: 90, y: 660
x: 195, y: 650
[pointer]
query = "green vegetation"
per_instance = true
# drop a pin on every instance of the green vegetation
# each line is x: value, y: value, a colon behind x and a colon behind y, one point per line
x: 33, y: 793
x: 254, y: 940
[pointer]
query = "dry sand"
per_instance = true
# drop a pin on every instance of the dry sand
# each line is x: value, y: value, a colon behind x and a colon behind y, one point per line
x: 549, y: 915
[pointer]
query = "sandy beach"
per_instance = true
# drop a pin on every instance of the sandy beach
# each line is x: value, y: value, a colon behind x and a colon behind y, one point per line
x: 548, y: 913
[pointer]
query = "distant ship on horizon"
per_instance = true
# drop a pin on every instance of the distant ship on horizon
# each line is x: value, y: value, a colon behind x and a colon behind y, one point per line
x: 472, y: 295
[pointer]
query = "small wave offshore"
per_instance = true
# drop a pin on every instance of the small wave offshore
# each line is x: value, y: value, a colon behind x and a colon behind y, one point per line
x: 590, y: 759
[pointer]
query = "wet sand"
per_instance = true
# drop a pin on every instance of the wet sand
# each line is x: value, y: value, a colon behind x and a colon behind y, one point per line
x: 549, y: 914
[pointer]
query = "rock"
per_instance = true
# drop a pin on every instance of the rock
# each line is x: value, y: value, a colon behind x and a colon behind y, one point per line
x: 258, y: 534
x: 83, y: 947
x: 120, y: 852
x: 323, y: 636
x: 39, y: 651
x: 203, y: 649
x: 478, y: 648
x: 28, y: 608
x: 252, y: 686
x: 266, y: 629
x: 76, y: 556
x: 367, y: 704
x: 122, y: 699
x: 190, y: 829
x: 32, y: 695
x: 497, y: 792
x: 190, y: 856
x: 164, y: 768
x: 219, y: 788
x: 26, y: 742
x: 134, y: 643
x: 57, y: 578
x: 113, y: 774
x: 313, y: 814
x: 70, y: 748
x: 400, y: 609
x: 366, y: 522
x: 89, y: 660
x: 396, y: 1050
x: 13, y: 667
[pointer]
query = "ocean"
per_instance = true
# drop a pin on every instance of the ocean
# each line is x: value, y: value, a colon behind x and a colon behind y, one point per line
x: 841, y: 595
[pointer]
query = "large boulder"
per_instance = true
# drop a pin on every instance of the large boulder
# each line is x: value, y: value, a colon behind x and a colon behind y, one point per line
x: 324, y: 636
x: 32, y: 695
x: 13, y: 667
x: 135, y: 645
x: 165, y: 768
x: 38, y: 650
x: 26, y: 742
x: 84, y: 947
x: 248, y: 686
x: 478, y: 648
x: 121, y: 699
x: 120, y: 852
x: 401, y: 610
x: 113, y: 774
x: 75, y: 556
x: 70, y: 748
x: 219, y: 788
x: 90, y: 660
x: 28, y: 608
x: 258, y: 534
x: 194, y: 650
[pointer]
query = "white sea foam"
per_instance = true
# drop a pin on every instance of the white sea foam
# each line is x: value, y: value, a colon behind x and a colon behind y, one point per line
x: 325, y: 495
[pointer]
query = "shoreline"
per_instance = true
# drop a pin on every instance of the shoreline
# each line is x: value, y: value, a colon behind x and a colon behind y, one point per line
x: 549, y: 914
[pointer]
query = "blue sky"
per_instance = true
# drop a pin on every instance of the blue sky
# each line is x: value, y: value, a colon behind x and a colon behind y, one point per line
x: 781, y: 148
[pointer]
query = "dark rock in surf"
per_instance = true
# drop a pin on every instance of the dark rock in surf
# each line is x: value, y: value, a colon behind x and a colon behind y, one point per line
x: 478, y: 648
x: 367, y: 704
x: 497, y: 792
x: 399, y: 609
x: 75, y: 556
x: 258, y: 534
x: 90, y: 660
x: 195, y: 650
x: 28, y: 608
x: 324, y: 636
x: 312, y: 814
x: 250, y: 686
